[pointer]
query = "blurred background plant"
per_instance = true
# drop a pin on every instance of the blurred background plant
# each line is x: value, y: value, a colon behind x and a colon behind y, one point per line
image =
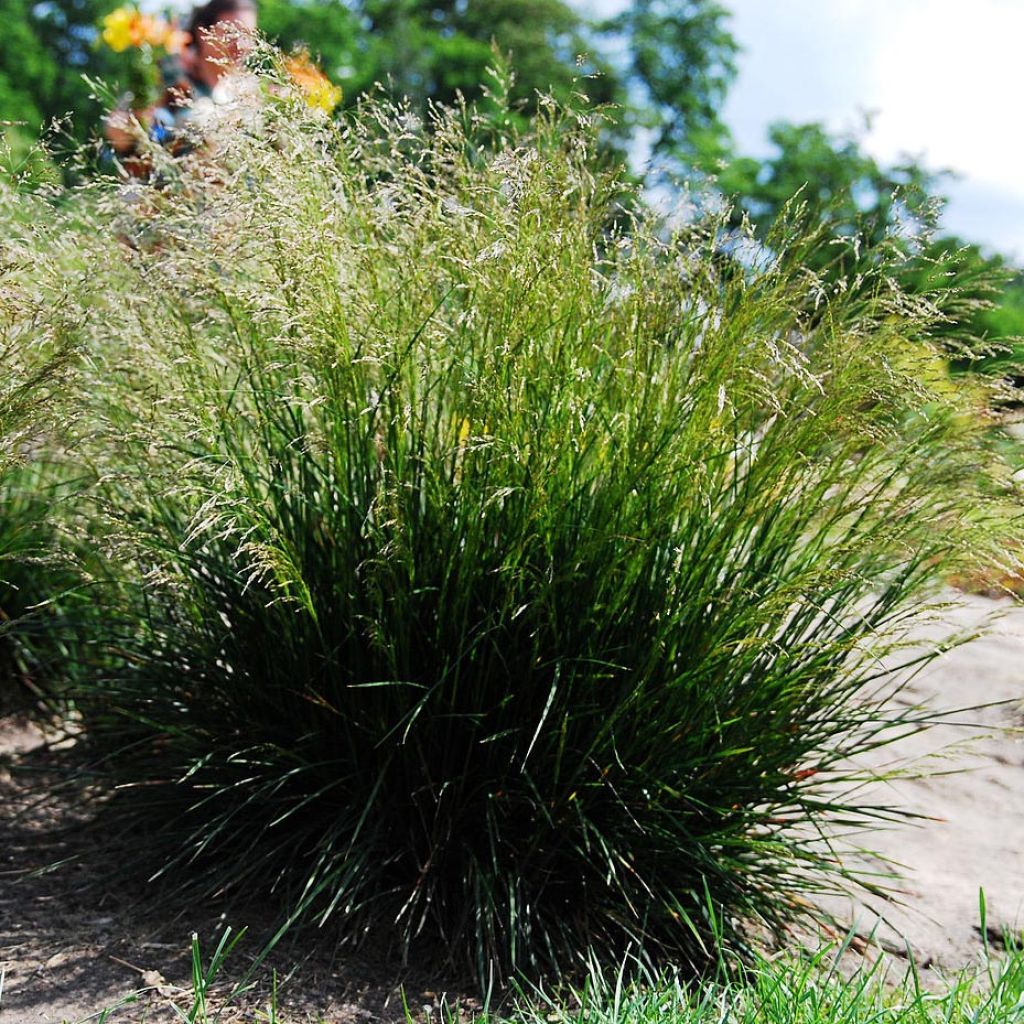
x: 150, y: 46
x: 319, y: 91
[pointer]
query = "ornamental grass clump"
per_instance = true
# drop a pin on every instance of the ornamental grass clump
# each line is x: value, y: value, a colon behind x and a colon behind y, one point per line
x: 500, y: 569
x: 36, y: 360
x: 37, y: 583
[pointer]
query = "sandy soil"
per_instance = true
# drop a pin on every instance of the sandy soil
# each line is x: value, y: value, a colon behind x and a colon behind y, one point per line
x: 971, y: 833
x: 68, y: 950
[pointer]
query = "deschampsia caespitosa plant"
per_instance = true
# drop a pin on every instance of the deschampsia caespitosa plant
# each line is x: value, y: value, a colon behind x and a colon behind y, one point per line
x: 36, y: 361
x: 501, y: 571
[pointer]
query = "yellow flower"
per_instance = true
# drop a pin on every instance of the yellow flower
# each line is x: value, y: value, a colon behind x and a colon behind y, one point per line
x: 127, y: 27
x: 119, y: 28
x: 317, y: 89
x: 465, y: 432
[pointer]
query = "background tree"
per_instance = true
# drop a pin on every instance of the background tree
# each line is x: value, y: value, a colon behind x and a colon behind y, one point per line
x: 681, y: 60
x: 844, y: 187
x: 985, y: 305
x: 869, y: 205
x: 47, y: 48
x: 667, y: 63
x: 439, y: 49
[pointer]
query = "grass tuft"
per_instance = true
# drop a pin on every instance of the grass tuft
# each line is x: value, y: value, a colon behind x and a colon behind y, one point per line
x: 496, y: 567
x: 36, y: 369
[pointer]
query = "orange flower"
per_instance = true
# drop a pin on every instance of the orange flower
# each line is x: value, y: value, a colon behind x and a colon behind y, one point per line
x: 127, y: 27
x: 317, y: 89
x: 167, y: 35
x: 147, y: 30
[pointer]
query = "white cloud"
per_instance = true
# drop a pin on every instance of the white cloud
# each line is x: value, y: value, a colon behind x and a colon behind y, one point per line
x: 945, y: 80
x: 948, y: 78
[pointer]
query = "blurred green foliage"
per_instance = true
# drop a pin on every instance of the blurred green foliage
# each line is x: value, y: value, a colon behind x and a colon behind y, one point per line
x: 681, y: 61
x: 853, y: 193
x: 679, y: 65
x: 866, y: 205
x: 439, y: 50
x: 47, y: 48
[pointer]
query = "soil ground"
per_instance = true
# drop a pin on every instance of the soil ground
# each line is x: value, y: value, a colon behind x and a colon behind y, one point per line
x: 70, y: 949
x: 73, y: 943
x: 968, y: 792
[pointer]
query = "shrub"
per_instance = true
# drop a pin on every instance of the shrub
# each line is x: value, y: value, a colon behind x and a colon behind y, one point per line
x: 499, y: 569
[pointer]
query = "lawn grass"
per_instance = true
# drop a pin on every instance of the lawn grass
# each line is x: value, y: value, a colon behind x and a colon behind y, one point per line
x: 806, y: 989
x: 830, y: 986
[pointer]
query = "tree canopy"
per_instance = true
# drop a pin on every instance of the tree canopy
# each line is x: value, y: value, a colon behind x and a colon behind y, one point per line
x: 666, y: 63
x: 682, y: 60
x: 845, y: 186
x: 47, y: 48
x: 864, y: 204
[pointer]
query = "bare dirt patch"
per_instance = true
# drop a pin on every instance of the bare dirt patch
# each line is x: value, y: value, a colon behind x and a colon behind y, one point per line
x: 73, y: 945
x: 968, y: 833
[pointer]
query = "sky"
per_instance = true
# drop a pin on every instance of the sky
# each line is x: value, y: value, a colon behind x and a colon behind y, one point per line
x: 943, y: 81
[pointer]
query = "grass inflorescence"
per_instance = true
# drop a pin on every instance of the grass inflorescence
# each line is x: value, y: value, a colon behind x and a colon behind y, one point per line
x: 489, y: 563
